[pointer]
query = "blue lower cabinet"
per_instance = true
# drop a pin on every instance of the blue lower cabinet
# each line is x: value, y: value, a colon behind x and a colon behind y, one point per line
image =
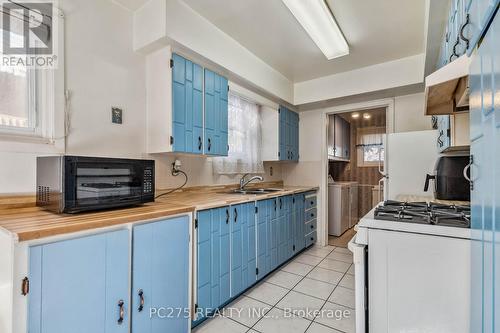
x: 243, y: 248
x: 263, y: 237
x: 298, y: 222
x: 80, y: 285
x: 160, y: 275
x: 212, y: 260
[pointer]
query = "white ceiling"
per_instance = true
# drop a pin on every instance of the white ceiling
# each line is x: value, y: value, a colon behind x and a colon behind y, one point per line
x: 376, y: 30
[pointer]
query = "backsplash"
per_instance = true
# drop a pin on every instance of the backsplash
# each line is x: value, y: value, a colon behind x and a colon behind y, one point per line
x: 200, y: 172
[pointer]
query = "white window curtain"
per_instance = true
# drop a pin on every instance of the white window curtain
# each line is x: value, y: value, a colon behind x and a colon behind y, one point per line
x: 371, y: 136
x: 245, y: 139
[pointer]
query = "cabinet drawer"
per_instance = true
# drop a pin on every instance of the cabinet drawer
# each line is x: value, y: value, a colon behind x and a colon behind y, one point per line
x: 311, y: 226
x: 310, y: 238
x: 310, y: 214
x: 311, y: 202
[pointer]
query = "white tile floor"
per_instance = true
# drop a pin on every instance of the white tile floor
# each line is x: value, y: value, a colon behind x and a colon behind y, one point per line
x: 319, y: 280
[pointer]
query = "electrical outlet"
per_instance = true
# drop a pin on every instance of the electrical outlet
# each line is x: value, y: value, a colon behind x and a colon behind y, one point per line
x: 116, y: 115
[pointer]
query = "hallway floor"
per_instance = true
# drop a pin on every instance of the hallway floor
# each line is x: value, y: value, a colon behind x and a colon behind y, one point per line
x: 313, y: 293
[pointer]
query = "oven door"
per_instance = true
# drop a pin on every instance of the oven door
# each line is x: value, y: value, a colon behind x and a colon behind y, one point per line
x: 98, y: 183
x: 360, y: 259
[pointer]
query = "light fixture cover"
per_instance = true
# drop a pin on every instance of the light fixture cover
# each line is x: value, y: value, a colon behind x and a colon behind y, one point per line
x: 367, y: 115
x: 355, y: 115
x: 318, y: 21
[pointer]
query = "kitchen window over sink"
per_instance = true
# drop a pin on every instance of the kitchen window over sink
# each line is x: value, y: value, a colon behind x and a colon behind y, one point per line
x: 245, y: 138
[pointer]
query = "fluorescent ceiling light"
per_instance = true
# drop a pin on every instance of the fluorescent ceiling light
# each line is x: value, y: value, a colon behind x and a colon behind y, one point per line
x: 317, y: 19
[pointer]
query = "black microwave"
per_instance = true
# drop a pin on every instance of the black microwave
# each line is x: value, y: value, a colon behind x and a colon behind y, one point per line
x: 72, y: 184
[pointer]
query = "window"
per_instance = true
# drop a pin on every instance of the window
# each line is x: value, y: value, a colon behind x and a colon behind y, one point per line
x: 16, y: 94
x: 245, y: 139
x: 370, y: 146
x: 28, y: 99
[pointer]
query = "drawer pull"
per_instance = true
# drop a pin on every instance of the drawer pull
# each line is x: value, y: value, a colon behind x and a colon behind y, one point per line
x: 312, y: 238
x: 141, y: 300
x: 312, y: 203
x: 312, y: 227
x: 122, y: 311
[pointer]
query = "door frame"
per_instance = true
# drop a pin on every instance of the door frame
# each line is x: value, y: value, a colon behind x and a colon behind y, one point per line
x: 387, y: 103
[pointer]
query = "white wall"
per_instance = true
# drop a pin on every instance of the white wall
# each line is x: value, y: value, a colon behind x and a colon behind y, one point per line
x: 409, y: 115
x: 387, y: 75
x: 102, y: 70
x: 200, y: 172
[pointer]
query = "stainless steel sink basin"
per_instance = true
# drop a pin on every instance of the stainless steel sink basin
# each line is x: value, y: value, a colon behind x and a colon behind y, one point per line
x: 254, y: 191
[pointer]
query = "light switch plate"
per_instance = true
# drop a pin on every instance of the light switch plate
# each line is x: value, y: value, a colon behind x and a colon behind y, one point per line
x: 116, y: 115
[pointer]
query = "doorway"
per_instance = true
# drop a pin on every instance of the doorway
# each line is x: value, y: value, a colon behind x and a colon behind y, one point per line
x: 356, y: 158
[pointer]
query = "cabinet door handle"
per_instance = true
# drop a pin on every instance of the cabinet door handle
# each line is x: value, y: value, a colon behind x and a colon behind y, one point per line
x: 454, y: 54
x: 235, y: 215
x: 227, y: 216
x: 281, y: 204
x: 141, y: 300
x: 121, y: 305
x: 200, y: 143
x: 291, y: 154
x: 466, y: 40
x: 274, y: 204
x: 209, y: 144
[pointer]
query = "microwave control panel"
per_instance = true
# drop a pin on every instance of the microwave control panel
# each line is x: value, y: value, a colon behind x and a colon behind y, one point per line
x: 148, y: 180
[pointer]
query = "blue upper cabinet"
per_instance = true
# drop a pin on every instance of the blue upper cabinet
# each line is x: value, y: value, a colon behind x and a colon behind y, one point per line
x: 160, y: 275
x: 199, y: 110
x: 288, y: 128
x: 187, y: 106
x: 80, y: 285
x: 466, y: 23
x: 216, y: 114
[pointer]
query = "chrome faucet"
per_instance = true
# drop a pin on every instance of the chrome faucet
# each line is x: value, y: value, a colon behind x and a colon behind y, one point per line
x: 244, y: 182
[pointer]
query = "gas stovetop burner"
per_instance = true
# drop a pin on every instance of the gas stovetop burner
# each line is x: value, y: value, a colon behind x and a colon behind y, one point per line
x: 424, y: 213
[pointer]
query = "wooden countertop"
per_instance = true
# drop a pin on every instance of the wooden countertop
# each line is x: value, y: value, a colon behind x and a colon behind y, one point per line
x: 30, y: 223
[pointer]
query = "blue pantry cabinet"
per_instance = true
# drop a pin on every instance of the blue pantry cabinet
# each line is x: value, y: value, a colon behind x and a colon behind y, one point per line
x: 160, y: 278
x: 187, y: 106
x: 199, y: 109
x: 80, y: 285
x: 216, y: 114
x: 288, y: 135
x: 485, y: 175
